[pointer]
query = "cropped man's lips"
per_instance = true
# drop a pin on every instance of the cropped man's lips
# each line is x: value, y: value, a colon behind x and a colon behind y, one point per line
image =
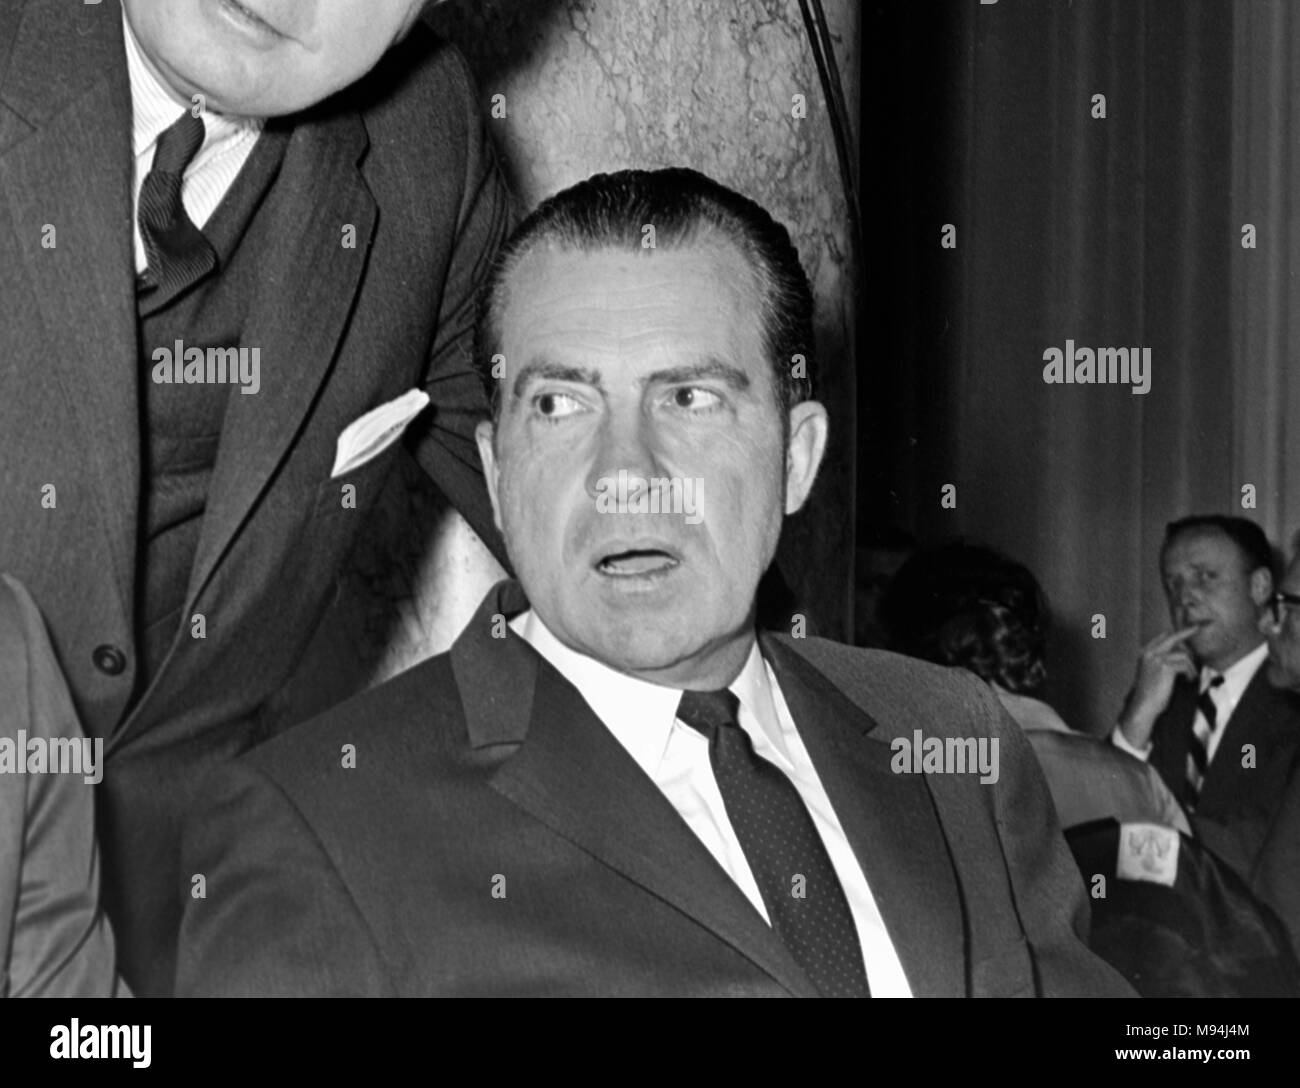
x: 249, y: 20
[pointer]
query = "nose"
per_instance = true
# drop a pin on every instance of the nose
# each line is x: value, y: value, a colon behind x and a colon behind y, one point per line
x: 1186, y: 595
x: 626, y: 443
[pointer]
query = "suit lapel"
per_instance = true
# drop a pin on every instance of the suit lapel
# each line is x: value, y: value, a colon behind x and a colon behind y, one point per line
x: 1259, y: 716
x: 68, y: 164
x: 305, y: 303
x: 1172, y: 739
x: 570, y: 773
x: 890, y: 822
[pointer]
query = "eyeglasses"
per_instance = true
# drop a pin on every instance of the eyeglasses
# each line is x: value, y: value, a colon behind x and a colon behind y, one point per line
x: 1280, y: 601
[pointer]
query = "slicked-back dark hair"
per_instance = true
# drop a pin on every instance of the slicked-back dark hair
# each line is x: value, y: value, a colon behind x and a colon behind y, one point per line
x: 610, y: 212
x: 1249, y: 537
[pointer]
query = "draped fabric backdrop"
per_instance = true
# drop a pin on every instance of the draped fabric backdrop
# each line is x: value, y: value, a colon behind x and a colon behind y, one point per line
x: 1117, y: 231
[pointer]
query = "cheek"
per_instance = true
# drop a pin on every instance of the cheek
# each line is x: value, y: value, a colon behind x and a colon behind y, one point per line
x: 536, y: 497
x: 743, y: 521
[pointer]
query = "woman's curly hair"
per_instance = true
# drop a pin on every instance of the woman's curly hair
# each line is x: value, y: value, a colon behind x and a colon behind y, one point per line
x: 970, y: 606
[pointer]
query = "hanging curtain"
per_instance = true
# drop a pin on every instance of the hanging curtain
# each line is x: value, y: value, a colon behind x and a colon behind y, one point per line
x: 1105, y: 222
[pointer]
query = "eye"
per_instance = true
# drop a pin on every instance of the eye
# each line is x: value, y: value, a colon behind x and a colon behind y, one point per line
x: 694, y: 398
x: 555, y: 405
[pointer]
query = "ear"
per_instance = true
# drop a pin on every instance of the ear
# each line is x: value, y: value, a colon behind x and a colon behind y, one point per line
x: 1261, y: 586
x: 809, y: 427
x: 484, y: 434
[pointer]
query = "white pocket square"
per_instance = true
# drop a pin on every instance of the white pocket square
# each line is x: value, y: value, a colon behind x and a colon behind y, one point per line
x: 367, y: 437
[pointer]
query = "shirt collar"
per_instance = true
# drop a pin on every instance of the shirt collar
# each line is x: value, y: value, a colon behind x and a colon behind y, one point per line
x: 641, y: 714
x: 155, y: 107
x: 1237, y: 676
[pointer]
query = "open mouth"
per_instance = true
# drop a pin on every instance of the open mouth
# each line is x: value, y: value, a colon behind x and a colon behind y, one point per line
x: 638, y: 563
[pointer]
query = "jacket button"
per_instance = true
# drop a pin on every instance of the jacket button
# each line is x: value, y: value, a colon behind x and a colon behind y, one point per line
x: 109, y: 659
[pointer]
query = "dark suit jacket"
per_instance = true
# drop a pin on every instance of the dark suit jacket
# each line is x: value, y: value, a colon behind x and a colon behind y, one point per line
x: 403, y: 158
x: 1200, y: 934
x: 1237, y: 805
x: 54, y: 941
x: 483, y: 769
x: 1276, y: 876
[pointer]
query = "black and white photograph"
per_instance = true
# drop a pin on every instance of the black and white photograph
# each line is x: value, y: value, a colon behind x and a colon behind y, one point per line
x: 631, y: 498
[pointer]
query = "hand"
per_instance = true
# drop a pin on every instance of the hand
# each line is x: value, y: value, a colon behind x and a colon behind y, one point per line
x: 1163, y: 660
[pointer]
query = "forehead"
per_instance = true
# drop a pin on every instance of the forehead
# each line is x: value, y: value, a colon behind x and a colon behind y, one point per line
x: 613, y: 309
x: 1203, y: 548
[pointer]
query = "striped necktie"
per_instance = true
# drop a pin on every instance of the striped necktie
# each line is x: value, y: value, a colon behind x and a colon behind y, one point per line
x: 781, y: 843
x: 1198, y: 747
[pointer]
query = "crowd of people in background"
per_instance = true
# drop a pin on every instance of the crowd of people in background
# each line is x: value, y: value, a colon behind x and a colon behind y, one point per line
x: 1185, y: 819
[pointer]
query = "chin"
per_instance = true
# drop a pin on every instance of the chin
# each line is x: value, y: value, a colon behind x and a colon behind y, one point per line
x: 247, y: 102
x: 638, y: 649
x: 1205, y: 649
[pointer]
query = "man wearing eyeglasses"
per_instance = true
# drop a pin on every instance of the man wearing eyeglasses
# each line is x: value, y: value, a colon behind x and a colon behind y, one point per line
x: 1281, y: 627
x: 1277, y: 876
x: 1201, y: 708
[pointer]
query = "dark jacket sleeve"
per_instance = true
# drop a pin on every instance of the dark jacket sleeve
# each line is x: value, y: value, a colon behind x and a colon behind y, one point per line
x: 1277, y: 872
x: 1051, y: 899
x: 54, y: 939
x: 270, y: 916
x: 447, y: 449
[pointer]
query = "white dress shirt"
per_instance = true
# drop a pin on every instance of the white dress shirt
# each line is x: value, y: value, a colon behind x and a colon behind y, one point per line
x: 1236, y: 679
x: 643, y: 718
x: 155, y: 108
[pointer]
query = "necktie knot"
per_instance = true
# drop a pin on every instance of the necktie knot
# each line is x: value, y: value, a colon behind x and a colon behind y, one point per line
x: 178, y: 254
x: 708, y: 711
x: 178, y: 145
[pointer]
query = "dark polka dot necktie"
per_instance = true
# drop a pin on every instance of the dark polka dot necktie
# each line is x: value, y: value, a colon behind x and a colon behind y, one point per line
x: 805, y: 902
x: 178, y: 253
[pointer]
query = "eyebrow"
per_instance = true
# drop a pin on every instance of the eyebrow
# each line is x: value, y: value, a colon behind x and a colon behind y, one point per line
x: 710, y: 367
x: 544, y: 370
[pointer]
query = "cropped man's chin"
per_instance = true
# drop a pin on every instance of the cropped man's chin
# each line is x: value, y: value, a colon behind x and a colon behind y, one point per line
x: 256, y: 85
x: 248, y: 100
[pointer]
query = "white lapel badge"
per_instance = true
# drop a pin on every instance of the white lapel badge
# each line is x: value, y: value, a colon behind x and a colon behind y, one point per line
x: 1148, y: 852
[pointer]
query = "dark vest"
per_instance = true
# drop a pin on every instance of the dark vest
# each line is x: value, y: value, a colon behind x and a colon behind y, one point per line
x: 181, y: 422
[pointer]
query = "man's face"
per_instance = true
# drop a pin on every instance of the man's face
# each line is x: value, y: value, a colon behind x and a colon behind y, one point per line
x: 651, y: 365
x: 264, y: 58
x: 1284, y: 636
x: 1208, y: 586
